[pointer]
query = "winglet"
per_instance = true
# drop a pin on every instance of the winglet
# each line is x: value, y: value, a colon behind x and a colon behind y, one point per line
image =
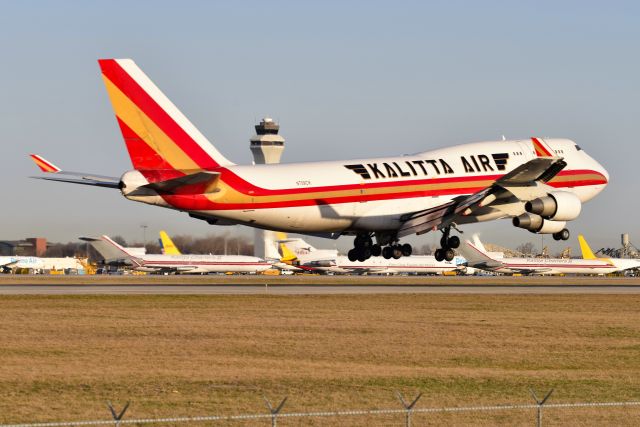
x: 168, y: 247
x: 587, y: 253
x: 44, y: 164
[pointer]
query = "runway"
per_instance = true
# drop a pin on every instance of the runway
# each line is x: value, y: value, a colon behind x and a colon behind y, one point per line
x: 135, y: 289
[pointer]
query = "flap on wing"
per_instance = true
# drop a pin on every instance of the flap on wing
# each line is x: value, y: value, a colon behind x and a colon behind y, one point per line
x: 538, y: 169
x: 196, y: 183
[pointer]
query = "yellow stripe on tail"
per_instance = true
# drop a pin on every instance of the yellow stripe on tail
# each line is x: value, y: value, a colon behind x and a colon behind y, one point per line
x: 167, y: 244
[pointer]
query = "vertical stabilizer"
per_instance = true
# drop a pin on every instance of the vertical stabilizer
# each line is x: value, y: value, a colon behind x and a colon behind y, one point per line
x: 157, y: 135
x: 168, y: 247
x: 587, y: 253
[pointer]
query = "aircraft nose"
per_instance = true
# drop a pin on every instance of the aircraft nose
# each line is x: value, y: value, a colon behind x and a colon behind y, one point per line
x: 603, y: 171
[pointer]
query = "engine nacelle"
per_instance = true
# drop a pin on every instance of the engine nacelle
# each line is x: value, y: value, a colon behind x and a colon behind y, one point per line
x: 557, y: 206
x: 131, y: 181
x: 537, y: 224
x: 551, y: 227
x: 528, y: 221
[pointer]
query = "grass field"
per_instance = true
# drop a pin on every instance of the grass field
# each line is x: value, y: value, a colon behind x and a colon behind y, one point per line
x: 62, y: 357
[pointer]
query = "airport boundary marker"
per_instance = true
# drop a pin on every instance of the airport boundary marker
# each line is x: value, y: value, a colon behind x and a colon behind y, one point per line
x: 275, y: 413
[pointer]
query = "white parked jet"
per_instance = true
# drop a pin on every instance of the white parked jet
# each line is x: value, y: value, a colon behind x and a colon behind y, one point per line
x: 9, y: 263
x: 540, y: 183
x: 113, y: 253
x: 622, y: 264
x: 477, y: 257
x: 301, y: 254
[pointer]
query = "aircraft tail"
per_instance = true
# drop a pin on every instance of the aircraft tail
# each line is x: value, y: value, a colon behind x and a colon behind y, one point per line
x: 587, y: 253
x: 271, y: 244
x: 167, y: 245
x: 476, y: 254
x: 298, y: 246
x: 287, y: 254
x: 108, y: 249
x: 157, y: 135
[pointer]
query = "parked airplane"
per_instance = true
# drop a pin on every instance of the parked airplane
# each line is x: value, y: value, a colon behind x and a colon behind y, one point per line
x: 9, y: 263
x: 113, y: 253
x: 301, y: 254
x: 477, y: 257
x: 540, y: 183
x: 621, y: 263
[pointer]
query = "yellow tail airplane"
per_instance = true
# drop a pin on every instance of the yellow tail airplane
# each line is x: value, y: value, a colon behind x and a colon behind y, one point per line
x: 620, y: 263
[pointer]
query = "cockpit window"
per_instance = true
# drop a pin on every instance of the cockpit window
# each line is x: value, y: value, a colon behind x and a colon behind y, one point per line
x: 578, y: 147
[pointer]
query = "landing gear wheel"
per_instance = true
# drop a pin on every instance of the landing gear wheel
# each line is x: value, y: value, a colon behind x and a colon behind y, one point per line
x: 376, y: 250
x: 438, y: 255
x: 362, y: 241
x: 562, y: 235
x: 406, y: 249
x: 449, y: 254
x: 453, y: 242
x: 352, y: 255
x: 397, y: 252
x: 387, y: 252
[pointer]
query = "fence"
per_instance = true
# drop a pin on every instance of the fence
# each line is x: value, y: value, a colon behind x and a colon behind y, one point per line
x: 407, y: 412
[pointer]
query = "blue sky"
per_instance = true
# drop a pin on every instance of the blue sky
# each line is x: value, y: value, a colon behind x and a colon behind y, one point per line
x: 345, y: 80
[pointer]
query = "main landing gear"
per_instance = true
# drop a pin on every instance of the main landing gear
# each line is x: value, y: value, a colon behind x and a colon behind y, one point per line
x: 364, y: 248
x: 447, y: 245
x: 562, y: 235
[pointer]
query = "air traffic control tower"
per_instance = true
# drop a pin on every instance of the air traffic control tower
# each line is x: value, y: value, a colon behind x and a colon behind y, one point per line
x: 267, y: 147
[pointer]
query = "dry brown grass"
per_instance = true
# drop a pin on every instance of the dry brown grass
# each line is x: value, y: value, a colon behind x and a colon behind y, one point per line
x: 63, y: 357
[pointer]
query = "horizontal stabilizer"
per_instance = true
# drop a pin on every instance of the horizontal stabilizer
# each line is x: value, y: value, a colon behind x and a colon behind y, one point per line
x: 196, y: 183
x: 83, y: 178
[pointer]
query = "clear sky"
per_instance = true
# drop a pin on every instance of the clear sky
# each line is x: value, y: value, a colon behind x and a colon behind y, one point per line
x: 345, y: 79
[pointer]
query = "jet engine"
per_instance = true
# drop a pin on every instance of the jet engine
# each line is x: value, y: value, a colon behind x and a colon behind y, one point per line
x: 537, y: 224
x: 557, y: 206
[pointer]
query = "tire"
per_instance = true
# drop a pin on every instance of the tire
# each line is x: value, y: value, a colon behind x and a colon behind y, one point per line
x: 376, y: 250
x: 362, y: 257
x: 556, y: 236
x: 352, y: 255
x: 454, y: 242
x: 564, y: 234
x: 449, y: 255
x: 443, y: 242
x: 439, y: 256
x: 366, y: 253
x: 397, y: 252
x: 387, y: 252
x: 407, y: 250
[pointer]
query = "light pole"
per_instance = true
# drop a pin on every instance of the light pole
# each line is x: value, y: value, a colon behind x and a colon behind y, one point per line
x: 144, y: 234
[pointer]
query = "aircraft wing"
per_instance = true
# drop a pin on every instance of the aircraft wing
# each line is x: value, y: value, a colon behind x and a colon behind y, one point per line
x: 57, y: 174
x: 526, y: 182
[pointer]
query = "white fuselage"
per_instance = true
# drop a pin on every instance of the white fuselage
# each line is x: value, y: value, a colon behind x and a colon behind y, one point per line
x: 374, y: 194
x: 415, y: 264
x: 202, y: 263
x: 555, y: 266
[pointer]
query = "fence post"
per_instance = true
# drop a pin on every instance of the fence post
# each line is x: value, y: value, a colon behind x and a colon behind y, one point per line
x: 274, y: 411
x: 117, y: 416
x: 540, y: 404
x: 408, y: 407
